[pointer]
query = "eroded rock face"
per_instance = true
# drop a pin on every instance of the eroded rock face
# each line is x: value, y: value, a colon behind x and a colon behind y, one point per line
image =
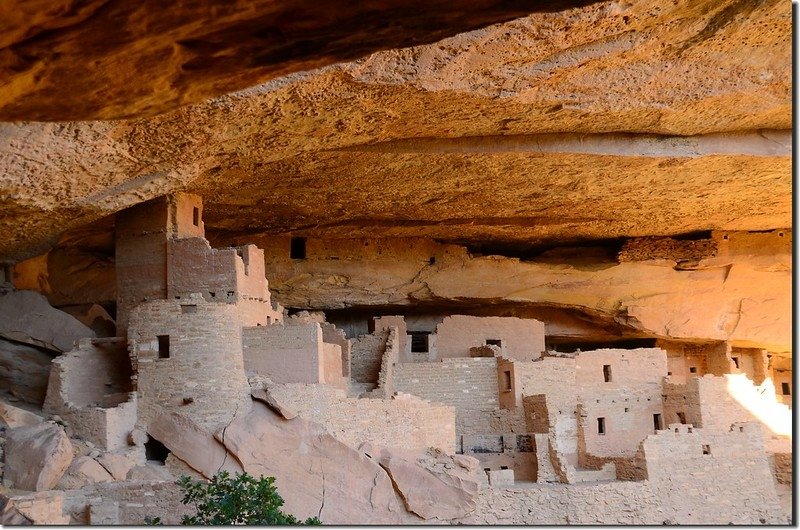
x: 436, y: 140
x: 36, y: 456
x: 742, y: 294
x: 56, y: 55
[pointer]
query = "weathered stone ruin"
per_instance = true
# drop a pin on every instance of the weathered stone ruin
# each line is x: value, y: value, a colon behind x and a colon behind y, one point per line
x: 535, y: 272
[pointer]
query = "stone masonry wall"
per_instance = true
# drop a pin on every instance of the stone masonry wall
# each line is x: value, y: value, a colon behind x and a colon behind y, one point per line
x: 731, y: 485
x: 521, y: 339
x: 706, y: 477
x: 468, y: 384
x: 404, y: 346
x: 366, y: 355
x: 141, y: 234
x: 203, y: 377
x: 390, y: 358
x: 91, y: 388
x: 405, y: 421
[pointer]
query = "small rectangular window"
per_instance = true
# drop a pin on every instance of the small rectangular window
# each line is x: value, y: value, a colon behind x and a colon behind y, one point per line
x: 657, y: 424
x: 196, y: 216
x: 601, y: 425
x: 785, y: 389
x: 735, y: 361
x: 607, y: 373
x: 494, y: 342
x: 706, y: 449
x: 507, y: 379
x: 419, y: 341
x: 692, y: 369
x: 297, y: 248
x: 163, y: 346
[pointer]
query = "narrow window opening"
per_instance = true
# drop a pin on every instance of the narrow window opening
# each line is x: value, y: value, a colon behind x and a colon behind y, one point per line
x: 785, y: 389
x: 503, y: 467
x: 725, y: 236
x: 507, y: 379
x: 601, y: 425
x: 163, y: 346
x: 607, y: 373
x: 735, y: 361
x: 657, y: 423
x: 681, y: 417
x: 692, y: 369
x: 494, y: 342
x: 419, y: 341
x: 196, y: 216
x: 155, y: 450
x: 298, y: 248
x: 706, y: 449
x: 627, y: 409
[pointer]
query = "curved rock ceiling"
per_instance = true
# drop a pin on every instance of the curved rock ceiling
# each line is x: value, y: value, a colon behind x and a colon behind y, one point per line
x: 608, y: 120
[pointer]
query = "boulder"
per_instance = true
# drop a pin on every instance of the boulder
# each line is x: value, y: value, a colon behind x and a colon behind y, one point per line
x: 9, y: 515
x: 82, y: 472
x: 17, y: 417
x: 264, y: 396
x: 36, y: 456
x: 117, y: 465
x: 24, y: 371
x: 150, y: 472
x: 430, y: 494
x: 316, y: 474
x: 27, y: 317
x: 192, y: 444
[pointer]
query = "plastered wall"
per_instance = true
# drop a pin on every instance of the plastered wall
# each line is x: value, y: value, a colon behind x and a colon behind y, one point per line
x: 627, y: 403
x: 289, y: 353
x: 521, y: 339
x: 203, y: 378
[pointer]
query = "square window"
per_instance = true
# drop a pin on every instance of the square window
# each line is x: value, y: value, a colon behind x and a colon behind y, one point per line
x: 419, y: 341
x: 706, y: 449
x: 692, y: 369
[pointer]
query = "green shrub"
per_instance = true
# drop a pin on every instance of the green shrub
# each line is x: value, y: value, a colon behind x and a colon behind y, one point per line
x: 241, y: 499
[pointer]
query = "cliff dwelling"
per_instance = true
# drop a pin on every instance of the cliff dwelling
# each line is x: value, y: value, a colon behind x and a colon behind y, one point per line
x: 526, y: 264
